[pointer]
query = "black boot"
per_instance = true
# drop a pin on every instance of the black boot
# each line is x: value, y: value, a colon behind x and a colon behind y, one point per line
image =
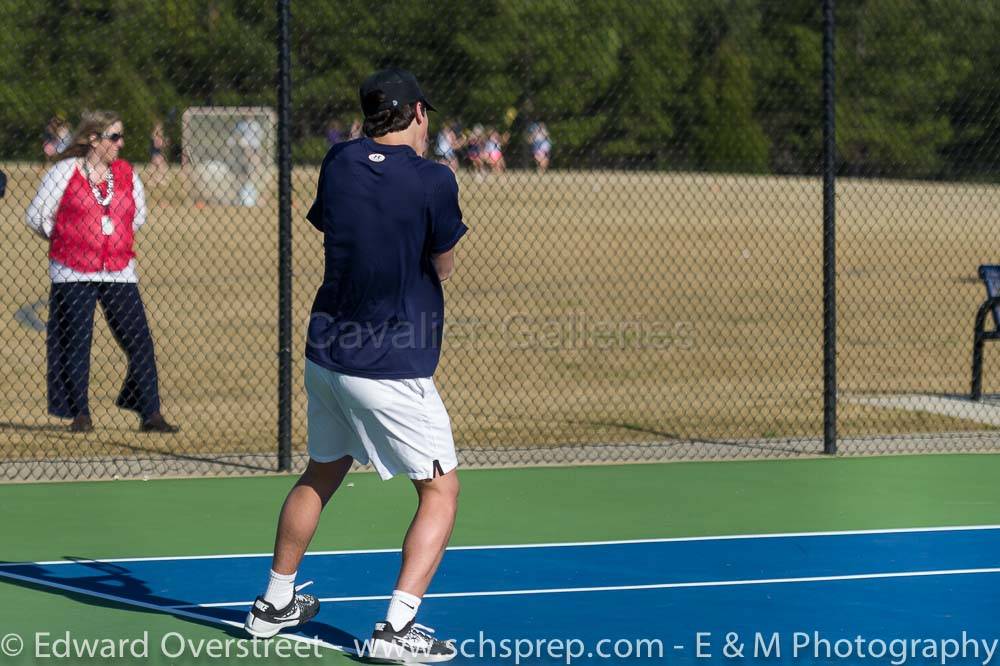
x: 81, y: 423
x: 156, y: 423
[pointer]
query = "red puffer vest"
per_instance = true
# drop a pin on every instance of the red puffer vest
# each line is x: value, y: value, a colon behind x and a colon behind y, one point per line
x: 78, y: 240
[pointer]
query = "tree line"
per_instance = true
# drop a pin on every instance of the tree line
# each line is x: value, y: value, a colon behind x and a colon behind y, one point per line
x: 714, y: 85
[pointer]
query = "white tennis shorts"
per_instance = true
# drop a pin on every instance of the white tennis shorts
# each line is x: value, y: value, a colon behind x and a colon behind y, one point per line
x: 400, y: 426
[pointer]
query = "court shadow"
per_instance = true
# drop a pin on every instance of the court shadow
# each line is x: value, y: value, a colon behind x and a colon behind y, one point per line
x: 33, y: 427
x: 111, y: 585
x: 174, y: 455
x: 762, y: 444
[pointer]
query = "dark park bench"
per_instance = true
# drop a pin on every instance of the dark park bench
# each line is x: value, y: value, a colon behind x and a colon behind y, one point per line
x: 990, y: 275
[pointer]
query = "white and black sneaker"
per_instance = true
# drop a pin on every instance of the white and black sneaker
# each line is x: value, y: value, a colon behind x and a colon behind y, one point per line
x: 413, y: 644
x: 264, y: 620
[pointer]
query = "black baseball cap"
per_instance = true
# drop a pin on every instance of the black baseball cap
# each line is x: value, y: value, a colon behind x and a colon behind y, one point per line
x: 398, y: 86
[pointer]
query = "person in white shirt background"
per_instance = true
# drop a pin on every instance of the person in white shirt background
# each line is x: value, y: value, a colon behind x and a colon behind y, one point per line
x: 88, y: 207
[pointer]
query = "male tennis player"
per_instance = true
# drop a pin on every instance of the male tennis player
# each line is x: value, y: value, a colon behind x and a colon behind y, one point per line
x: 390, y: 221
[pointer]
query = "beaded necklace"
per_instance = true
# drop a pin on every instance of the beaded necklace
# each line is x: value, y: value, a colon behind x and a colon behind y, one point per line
x: 108, y: 178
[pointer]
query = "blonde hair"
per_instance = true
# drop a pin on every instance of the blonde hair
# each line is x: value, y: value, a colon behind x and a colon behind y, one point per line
x: 91, y: 123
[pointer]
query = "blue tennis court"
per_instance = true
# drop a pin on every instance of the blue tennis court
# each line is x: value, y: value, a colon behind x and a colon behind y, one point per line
x: 617, y: 601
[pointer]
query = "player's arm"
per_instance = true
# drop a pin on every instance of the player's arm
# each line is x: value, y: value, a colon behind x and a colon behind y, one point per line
x: 444, y: 264
x: 315, y: 214
x: 446, y: 225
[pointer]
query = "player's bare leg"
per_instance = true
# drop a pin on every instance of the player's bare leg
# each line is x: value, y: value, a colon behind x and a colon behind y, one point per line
x: 281, y: 606
x: 429, y: 532
x: 399, y: 638
x: 301, y: 511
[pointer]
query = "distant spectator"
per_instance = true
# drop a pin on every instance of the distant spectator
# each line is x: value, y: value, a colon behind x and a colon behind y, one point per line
x: 248, y: 136
x: 157, y: 151
x: 541, y: 145
x: 335, y: 133
x: 493, y: 150
x: 474, y: 148
x: 57, y: 137
x: 446, y: 146
x: 88, y: 207
x: 157, y: 145
x: 356, y: 130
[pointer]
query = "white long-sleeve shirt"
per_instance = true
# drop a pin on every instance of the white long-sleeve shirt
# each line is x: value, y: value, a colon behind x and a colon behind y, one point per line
x: 41, y: 218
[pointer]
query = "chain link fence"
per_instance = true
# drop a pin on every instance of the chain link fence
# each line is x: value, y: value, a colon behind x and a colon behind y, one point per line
x: 193, y: 83
x: 643, y: 277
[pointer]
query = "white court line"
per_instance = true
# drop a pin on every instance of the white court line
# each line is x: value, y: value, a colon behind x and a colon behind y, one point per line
x: 166, y: 610
x: 567, y: 544
x: 654, y: 586
x: 181, y: 611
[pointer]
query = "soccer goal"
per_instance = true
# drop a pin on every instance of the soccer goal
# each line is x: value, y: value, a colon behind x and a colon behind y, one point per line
x: 229, y: 153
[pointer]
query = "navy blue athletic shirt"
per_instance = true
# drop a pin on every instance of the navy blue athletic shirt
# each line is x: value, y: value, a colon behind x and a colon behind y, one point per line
x: 383, y: 211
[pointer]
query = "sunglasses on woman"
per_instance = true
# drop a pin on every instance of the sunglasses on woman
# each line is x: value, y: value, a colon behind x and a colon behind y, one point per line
x: 114, y: 138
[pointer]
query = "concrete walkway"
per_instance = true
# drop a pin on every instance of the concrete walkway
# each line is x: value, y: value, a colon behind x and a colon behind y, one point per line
x: 986, y: 411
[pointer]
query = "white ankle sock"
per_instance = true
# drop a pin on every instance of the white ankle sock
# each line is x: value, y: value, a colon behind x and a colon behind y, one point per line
x: 402, y: 609
x: 280, y: 589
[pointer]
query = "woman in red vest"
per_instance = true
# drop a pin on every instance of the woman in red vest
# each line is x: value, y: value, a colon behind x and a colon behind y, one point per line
x: 88, y: 207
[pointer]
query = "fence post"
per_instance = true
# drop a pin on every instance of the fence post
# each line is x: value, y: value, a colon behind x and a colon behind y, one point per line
x: 284, y: 240
x: 829, y: 236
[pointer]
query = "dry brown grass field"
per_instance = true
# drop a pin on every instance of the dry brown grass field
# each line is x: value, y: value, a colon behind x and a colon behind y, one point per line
x: 587, y: 307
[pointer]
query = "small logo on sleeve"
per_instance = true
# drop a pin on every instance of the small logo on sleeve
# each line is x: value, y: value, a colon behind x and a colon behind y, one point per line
x: 377, y: 157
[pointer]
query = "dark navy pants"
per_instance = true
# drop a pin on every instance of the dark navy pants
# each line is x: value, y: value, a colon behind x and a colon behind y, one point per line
x: 70, y: 330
